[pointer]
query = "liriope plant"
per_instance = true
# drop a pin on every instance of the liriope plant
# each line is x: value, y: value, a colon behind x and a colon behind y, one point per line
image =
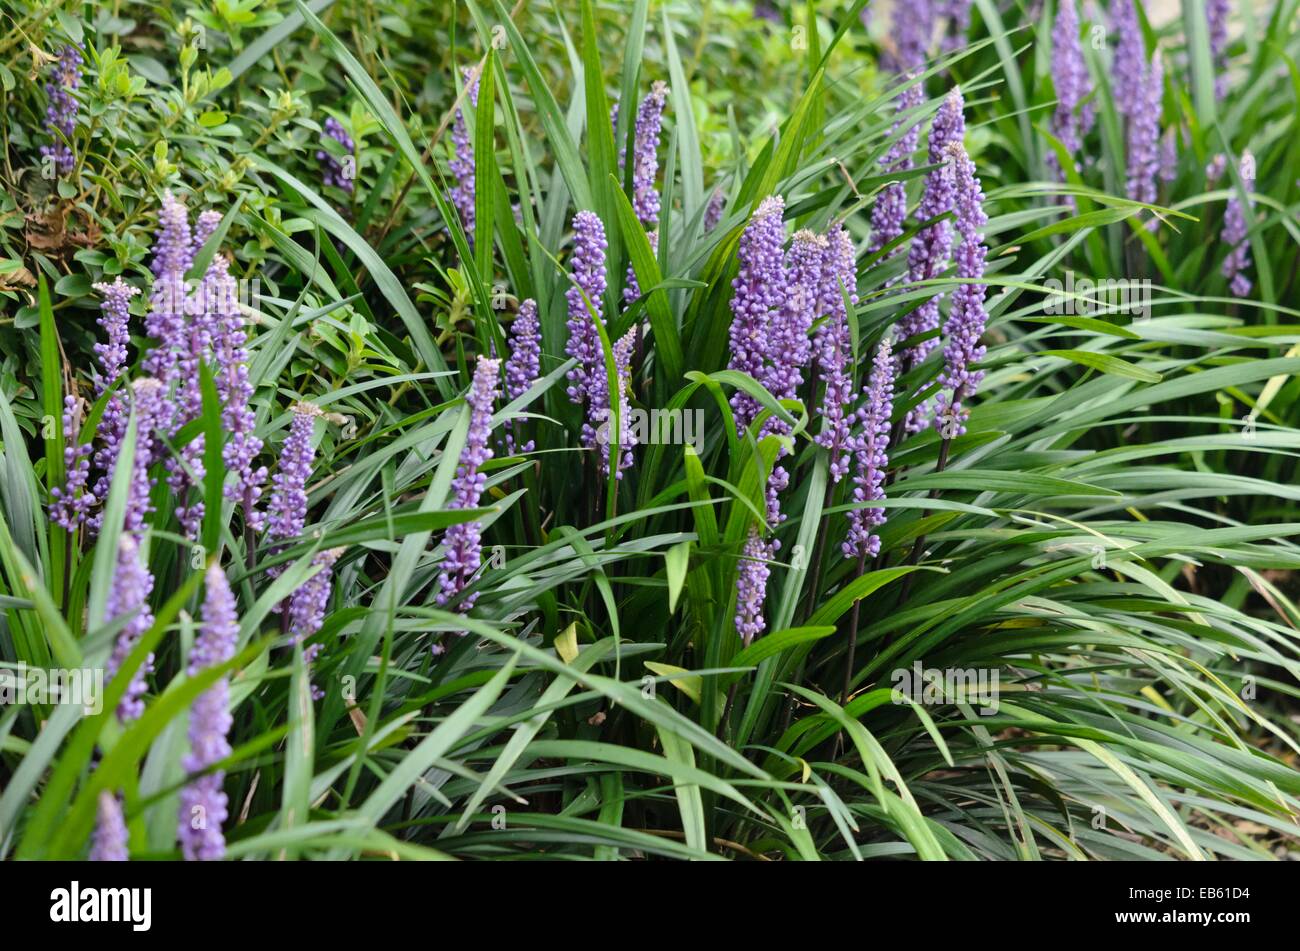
x: 476, y: 609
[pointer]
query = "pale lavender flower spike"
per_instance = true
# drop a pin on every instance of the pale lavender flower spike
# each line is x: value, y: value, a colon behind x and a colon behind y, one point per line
x: 871, y: 455
x: 1128, y: 70
x: 833, y: 345
x: 645, y: 167
x: 151, y: 413
x: 307, y: 606
x: 462, y: 166
x: 72, y: 501
x: 61, y: 113
x: 1236, y: 230
x: 165, y: 321
x: 203, y: 802
x: 967, y: 317
x: 713, y: 211
x: 108, y: 843
x: 1144, y: 135
x: 911, y: 29
x: 525, y: 363
x: 928, y: 256
x: 751, y: 588
x: 286, y: 512
x: 462, y: 542
x: 759, y: 289
x: 889, y: 214
x: 129, y: 597
x: 1074, y: 113
x: 1216, y: 13
x: 230, y: 341
x: 588, y: 267
x: 596, y: 432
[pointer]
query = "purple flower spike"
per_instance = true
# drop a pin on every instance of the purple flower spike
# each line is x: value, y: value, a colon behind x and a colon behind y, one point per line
x: 834, y: 348
x: 525, y: 363
x: 751, y: 588
x: 928, y: 255
x: 759, y: 289
x: 596, y: 432
x: 645, y: 155
x: 230, y: 354
x: 463, y: 541
x: 588, y: 267
x: 61, y: 113
x: 1216, y: 13
x: 1128, y: 71
x: 165, y: 322
x: 333, y: 172
x: 713, y: 211
x: 203, y: 802
x: 151, y: 413
x: 871, y: 455
x: 1074, y: 115
x: 129, y: 597
x: 462, y: 166
x: 108, y: 843
x: 205, y: 226
x: 1144, y: 135
x: 1236, y: 230
x: 72, y: 502
x: 115, y: 314
x: 308, y: 604
x: 286, y: 512
x: 911, y: 30
x: 967, y: 317
x: 889, y: 215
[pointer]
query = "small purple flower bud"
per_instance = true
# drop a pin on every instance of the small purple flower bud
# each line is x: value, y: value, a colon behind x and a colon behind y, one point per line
x: 587, y: 265
x: 203, y: 802
x: 759, y: 288
x: 333, y: 172
x: 462, y: 542
x: 462, y: 166
x: 1236, y: 230
x: 525, y: 363
x: 108, y: 843
x: 751, y: 588
x: 128, y: 597
x: 871, y: 455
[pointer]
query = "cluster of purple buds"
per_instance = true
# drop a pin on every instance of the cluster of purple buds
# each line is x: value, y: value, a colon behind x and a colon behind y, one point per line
x: 759, y: 289
x: 165, y: 321
x: 1128, y: 71
x: 912, y: 29
x: 889, y: 214
x: 596, y: 433
x: 236, y: 391
x: 72, y: 502
x: 333, y: 172
x: 1144, y: 134
x: 1236, y: 229
x: 871, y: 455
x: 1075, y: 112
x: 585, y: 300
x: 61, y: 113
x: 714, y: 209
x: 307, y: 606
x: 525, y: 363
x: 645, y: 168
x: 928, y: 256
x: 108, y: 843
x: 751, y: 588
x: 1216, y: 15
x: 462, y: 543
x: 832, y: 344
x: 286, y: 512
x: 958, y: 15
x: 967, y: 317
x: 462, y: 166
x: 203, y: 806
x: 128, y: 597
